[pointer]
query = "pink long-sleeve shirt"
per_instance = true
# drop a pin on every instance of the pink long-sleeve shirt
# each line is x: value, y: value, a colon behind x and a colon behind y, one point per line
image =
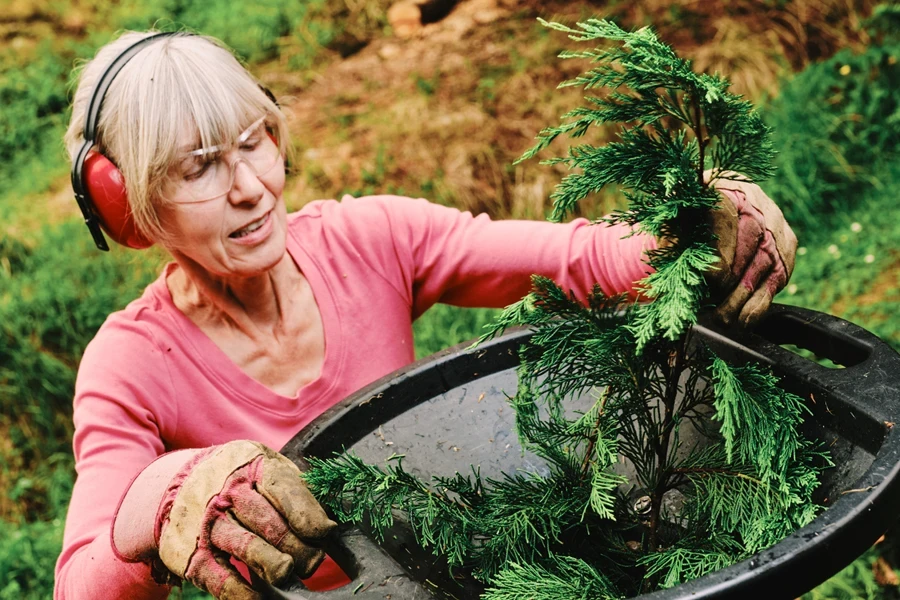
x: 151, y: 381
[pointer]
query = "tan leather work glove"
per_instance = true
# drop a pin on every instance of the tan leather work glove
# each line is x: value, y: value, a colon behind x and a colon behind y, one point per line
x: 756, y: 250
x: 193, y: 510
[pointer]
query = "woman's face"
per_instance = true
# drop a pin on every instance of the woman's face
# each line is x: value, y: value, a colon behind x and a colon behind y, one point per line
x: 225, y: 210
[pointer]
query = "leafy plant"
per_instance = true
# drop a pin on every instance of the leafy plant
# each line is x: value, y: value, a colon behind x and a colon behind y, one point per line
x: 855, y: 582
x: 48, y: 312
x: 586, y: 529
x: 27, y: 555
x: 838, y: 131
x: 444, y: 325
x: 33, y: 96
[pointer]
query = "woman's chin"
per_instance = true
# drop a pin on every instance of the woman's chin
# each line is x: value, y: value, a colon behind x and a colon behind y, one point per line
x: 259, y: 259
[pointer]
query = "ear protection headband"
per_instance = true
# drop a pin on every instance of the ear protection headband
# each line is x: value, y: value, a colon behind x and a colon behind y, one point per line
x: 98, y: 184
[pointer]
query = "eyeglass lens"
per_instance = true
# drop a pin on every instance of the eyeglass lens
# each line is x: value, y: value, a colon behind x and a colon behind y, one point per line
x: 209, y: 172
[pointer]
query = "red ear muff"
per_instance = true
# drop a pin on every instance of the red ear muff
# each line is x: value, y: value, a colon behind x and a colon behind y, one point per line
x: 106, y: 186
x: 98, y: 185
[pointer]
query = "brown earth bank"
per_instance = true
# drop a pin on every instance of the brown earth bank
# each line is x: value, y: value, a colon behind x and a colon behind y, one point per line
x: 443, y: 109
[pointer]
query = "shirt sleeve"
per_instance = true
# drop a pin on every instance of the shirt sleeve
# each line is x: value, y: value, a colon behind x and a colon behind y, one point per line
x: 116, y: 436
x: 445, y: 255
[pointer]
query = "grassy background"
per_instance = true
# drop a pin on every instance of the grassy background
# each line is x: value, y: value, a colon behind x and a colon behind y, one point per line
x: 442, y: 114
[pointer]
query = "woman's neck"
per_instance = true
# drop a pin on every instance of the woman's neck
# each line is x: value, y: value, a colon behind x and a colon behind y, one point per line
x: 253, y: 305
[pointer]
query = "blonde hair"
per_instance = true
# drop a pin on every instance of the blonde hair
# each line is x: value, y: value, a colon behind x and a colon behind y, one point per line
x: 180, y: 81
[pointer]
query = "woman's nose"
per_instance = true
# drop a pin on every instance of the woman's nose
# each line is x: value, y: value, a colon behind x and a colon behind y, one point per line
x: 245, y: 183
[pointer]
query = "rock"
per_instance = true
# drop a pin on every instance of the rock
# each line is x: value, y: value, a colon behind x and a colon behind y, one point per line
x: 405, y: 18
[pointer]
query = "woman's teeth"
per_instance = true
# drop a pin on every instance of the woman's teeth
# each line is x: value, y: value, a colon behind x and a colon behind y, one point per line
x: 249, y: 228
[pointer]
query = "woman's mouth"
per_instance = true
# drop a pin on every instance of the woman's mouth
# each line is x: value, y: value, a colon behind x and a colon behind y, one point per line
x: 254, y: 232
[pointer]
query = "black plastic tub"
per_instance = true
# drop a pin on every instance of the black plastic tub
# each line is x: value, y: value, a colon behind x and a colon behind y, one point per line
x: 449, y: 411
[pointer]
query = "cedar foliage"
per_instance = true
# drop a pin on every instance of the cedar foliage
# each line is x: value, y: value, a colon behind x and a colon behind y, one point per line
x: 681, y: 509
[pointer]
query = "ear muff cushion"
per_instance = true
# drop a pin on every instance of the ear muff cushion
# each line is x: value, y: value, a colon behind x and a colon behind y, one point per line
x: 106, y: 187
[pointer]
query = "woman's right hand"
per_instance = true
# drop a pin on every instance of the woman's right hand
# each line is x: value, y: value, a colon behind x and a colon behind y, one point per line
x: 756, y: 248
x: 193, y: 510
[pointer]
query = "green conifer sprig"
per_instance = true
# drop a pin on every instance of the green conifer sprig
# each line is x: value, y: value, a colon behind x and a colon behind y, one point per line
x: 676, y: 463
x: 746, y: 397
x: 678, y: 125
x: 690, y: 558
x: 379, y: 492
x: 520, y: 520
x: 729, y: 497
x: 560, y: 577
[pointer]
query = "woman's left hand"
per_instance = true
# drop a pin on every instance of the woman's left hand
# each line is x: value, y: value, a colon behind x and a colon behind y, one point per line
x: 756, y: 250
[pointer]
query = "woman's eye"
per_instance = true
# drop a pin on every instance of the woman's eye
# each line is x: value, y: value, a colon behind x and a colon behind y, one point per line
x: 252, y: 143
x: 196, y: 172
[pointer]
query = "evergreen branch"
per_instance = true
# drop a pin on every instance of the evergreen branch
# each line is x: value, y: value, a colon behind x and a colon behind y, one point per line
x: 701, y: 471
x: 735, y: 498
x: 725, y: 496
x: 661, y: 170
x: 523, y: 518
x: 542, y: 437
x: 662, y: 442
x: 519, y: 313
x: 746, y: 489
x: 642, y: 161
x: 548, y: 303
x: 678, y: 289
x: 639, y: 454
x: 557, y: 578
x: 759, y: 420
x: 690, y: 559
x: 356, y: 491
x: 606, y: 451
x: 603, y: 486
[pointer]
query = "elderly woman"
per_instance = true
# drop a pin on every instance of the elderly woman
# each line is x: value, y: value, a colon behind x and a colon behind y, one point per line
x: 262, y: 320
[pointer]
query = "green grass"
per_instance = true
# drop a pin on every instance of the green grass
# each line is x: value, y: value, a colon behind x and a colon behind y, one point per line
x: 27, y: 555
x: 855, y: 582
x: 54, y: 297
x: 837, y: 132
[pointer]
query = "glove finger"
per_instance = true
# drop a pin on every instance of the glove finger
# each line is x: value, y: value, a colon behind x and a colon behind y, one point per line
x: 786, y: 242
x: 785, y: 239
x: 756, y: 306
x: 751, y: 229
x: 258, y: 515
x: 779, y: 275
x: 213, y: 573
x: 283, y: 486
x: 724, y: 225
x: 270, y: 564
x: 750, y: 281
x: 761, y: 299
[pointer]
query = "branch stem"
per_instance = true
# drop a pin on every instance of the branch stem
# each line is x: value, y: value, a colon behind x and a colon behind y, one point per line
x: 586, y: 462
x: 673, y: 376
x: 701, y: 141
x: 686, y: 471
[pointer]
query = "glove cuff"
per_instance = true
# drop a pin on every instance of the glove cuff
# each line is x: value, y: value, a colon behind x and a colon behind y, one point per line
x: 132, y: 534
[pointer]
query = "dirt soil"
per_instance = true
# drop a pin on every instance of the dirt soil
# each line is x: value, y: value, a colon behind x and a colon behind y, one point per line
x: 441, y: 113
x: 444, y: 111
